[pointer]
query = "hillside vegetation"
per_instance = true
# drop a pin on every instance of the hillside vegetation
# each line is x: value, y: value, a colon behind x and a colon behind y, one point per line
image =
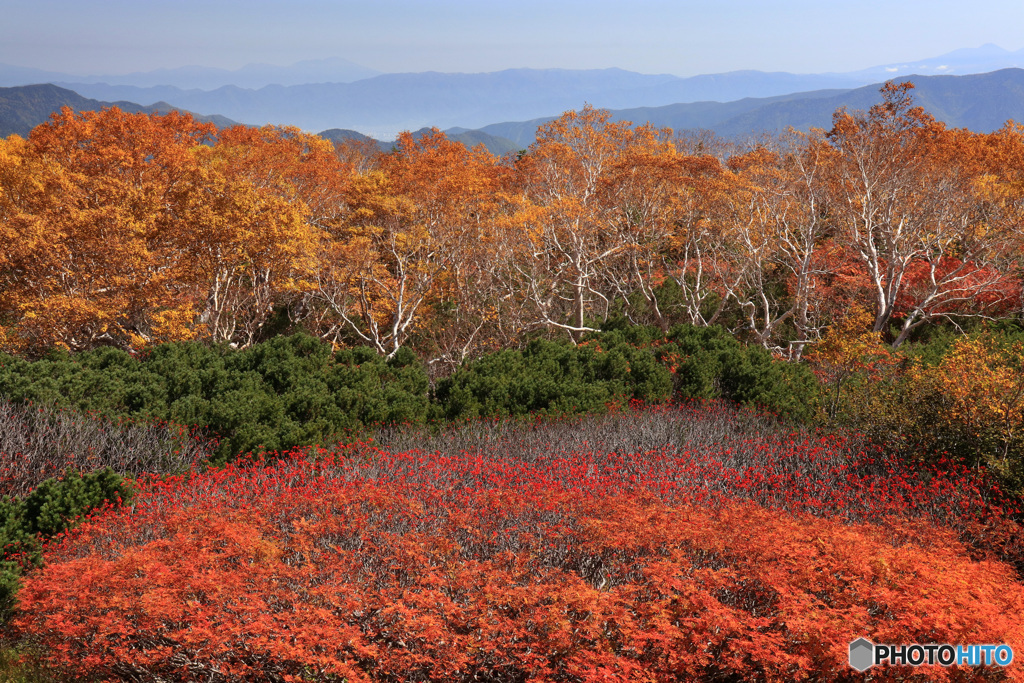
x: 622, y: 405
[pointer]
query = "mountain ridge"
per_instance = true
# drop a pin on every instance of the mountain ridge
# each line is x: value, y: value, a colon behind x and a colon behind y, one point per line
x: 384, y: 104
x: 22, y: 108
x: 980, y: 102
x: 955, y: 100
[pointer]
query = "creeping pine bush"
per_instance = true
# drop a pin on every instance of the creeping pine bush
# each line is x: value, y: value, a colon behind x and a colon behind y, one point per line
x: 553, y: 378
x: 296, y: 391
x: 286, y: 392
x: 709, y: 363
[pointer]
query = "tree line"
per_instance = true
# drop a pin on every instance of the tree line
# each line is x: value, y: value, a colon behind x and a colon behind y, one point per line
x: 128, y: 230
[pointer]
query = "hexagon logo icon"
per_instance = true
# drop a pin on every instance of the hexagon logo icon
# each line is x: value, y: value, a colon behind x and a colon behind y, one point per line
x: 862, y: 654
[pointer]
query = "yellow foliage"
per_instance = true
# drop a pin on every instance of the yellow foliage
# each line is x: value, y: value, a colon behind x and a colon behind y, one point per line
x: 857, y: 370
x: 980, y: 383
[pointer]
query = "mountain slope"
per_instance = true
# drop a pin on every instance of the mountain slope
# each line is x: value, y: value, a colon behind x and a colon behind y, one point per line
x: 25, y: 107
x: 682, y: 116
x: 497, y: 146
x: 384, y: 105
x: 980, y: 102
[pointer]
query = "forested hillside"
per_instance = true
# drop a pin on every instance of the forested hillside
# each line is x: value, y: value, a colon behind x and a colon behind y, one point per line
x: 129, y: 230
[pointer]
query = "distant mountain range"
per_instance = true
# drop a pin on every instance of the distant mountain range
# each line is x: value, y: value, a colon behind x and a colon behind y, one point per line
x: 23, y: 108
x: 327, y: 94
x: 384, y: 105
x: 980, y: 102
x: 974, y: 60
x: 467, y: 105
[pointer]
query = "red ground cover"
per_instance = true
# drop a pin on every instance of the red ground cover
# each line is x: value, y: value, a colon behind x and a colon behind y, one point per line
x: 517, y: 552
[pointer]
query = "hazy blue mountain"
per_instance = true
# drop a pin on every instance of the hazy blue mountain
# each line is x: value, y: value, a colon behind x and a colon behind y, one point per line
x: 313, y: 96
x: 495, y: 144
x: 683, y: 116
x: 25, y: 107
x: 344, y: 135
x: 975, y: 60
x: 385, y: 105
x: 980, y: 102
x: 204, y: 78
x: 13, y: 76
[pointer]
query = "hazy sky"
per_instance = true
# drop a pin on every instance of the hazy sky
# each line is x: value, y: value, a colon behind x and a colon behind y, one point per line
x: 682, y: 37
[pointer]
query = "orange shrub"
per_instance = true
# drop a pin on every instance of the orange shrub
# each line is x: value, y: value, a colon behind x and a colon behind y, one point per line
x: 272, y: 574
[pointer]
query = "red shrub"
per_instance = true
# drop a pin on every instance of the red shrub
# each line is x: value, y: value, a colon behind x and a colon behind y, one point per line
x: 482, y: 566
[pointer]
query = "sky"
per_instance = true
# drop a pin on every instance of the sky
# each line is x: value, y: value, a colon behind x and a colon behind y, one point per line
x: 681, y: 37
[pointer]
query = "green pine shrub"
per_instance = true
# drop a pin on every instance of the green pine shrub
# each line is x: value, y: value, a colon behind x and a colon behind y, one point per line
x: 552, y: 378
x: 285, y: 392
x: 709, y: 363
x: 294, y: 391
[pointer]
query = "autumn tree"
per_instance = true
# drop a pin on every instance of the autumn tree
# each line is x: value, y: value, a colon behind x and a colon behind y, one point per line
x: 91, y: 210
x: 572, y: 224
x: 258, y: 210
x: 974, y: 403
x: 411, y: 224
x: 20, y: 231
x: 656, y: 197
x: 701, y: 257
x: 857, y: 373
x: 996, y: 161
x: 781, y: 225
x: 909, y: 218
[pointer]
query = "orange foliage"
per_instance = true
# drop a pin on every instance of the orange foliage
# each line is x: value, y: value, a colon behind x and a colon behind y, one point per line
x: 413, y: 226
x: 128, y: 230
x: 851, y: 359
x: 97, y: 248
x: 350, y: 583
x: 979, y: 385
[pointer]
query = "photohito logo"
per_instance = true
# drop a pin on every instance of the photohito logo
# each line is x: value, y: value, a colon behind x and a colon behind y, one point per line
x: 864, y: 654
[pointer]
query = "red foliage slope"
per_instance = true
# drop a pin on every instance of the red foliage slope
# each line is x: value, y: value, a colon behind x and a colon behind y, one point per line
x: 503, y: 570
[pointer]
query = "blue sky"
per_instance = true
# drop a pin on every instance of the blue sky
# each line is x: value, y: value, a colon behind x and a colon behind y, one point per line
x: 651, y: 36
